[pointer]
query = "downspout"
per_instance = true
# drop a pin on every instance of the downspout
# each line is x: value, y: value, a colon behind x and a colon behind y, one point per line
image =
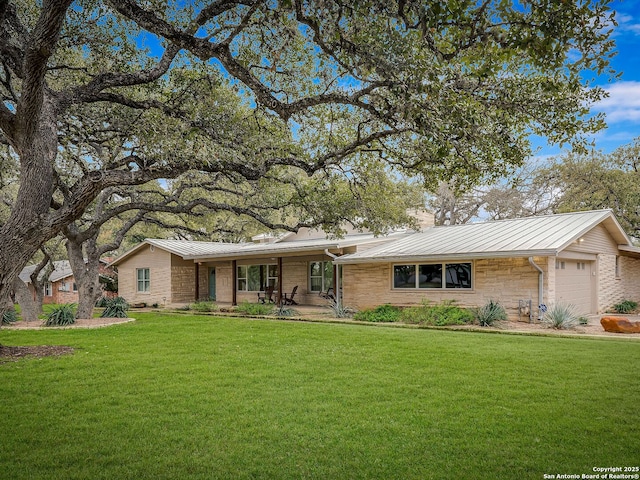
x: 540, y: 286
x: 329, y: 254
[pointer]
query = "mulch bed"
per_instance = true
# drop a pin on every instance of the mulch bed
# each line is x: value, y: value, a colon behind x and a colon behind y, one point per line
x: 13, y: 354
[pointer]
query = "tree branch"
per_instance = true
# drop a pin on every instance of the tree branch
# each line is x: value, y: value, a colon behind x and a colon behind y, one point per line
x: 92, y: 91
x: 41, y: 47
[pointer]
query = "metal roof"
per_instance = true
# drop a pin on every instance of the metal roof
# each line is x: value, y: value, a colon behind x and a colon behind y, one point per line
x: 245, y: 249
x: 543, y: 236
x: 62, y: 269
x: 193, y: 250
x: 182, y: 248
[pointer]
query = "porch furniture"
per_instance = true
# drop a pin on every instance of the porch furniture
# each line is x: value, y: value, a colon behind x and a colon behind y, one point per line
x: 288, y: 297
x: 329, y: 295
x: 267, y: 296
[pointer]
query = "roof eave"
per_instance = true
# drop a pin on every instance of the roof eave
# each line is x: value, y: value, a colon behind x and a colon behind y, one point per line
x: 127, y: 254
x: 260, y: 253
x: 610, y: 223
x: 446, y: 257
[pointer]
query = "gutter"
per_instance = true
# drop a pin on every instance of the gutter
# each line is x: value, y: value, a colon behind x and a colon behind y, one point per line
x: 540, y: 287
x: 349, y: 260
x: 337, y: 265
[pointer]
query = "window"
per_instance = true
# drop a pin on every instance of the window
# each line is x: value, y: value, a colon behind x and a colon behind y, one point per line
x: 617, y: 266
x: 75, y: 287
x: 63, y: 287
x: 560, y: 265
x: 255, y: 278
x: 144, y: 279
x: 320, y: 276
x: 47, y: 289
x: 432, y: 275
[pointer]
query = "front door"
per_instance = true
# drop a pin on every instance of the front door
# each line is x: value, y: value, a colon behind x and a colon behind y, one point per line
x: 212, y: 283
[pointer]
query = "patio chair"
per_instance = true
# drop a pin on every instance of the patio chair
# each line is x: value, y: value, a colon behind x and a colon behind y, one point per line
x: 288, y: 297
x: 267, y: 296
x: 330, y: 295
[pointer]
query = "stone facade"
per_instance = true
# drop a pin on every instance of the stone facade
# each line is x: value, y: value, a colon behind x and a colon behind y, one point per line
x: 610, y: 285
x: 629, y: 269
x: 507, y: 280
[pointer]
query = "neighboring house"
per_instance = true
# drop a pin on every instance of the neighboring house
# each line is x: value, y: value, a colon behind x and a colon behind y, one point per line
x: 61, y: 287
x: 582, y: 258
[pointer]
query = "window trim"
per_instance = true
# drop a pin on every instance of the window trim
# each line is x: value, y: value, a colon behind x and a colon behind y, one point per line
x: 146, y: 280
x: 444, y: 287
x: 267, y: 277
x: 324, y: 285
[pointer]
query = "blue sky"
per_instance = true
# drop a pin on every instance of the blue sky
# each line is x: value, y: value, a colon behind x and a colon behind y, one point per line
x: 622, y: 107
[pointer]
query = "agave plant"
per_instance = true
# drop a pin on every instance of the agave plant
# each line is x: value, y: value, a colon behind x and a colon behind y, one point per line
x: 284, y: 311
x: 490, y: 313
x: 561, y: 316
x: 116, y: 308
x: 61, y: 315
x: 9, y: 316
x: 340, y: 311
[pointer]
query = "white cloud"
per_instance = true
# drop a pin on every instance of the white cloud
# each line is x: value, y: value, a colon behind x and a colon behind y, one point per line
x: 622, y: 104
x: 626, y: 24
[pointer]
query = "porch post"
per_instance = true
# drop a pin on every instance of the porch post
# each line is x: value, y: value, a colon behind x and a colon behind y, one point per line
x: 234, y: 281
x: 279, y: 281
x: 197, y: 295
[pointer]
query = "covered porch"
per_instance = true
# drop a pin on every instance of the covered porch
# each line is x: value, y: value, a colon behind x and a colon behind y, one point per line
x: 304, y: 279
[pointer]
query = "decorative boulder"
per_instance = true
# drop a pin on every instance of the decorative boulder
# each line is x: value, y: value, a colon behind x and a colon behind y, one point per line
x: 619, y: 325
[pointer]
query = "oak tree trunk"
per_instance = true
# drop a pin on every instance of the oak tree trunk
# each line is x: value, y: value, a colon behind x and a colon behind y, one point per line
x: 86, y: 272
x: 26, y: 229
x: 28, y: 308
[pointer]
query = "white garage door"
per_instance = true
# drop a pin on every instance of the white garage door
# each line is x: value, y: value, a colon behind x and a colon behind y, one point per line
x: 573, y: 284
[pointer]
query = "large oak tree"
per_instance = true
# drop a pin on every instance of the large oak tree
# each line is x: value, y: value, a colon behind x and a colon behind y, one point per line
x: 444, y: 89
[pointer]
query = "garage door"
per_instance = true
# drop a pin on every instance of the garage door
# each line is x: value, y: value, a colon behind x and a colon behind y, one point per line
x: 573, y: 284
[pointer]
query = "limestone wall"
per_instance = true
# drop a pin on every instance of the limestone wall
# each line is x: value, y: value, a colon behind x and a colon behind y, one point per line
x: 506, y: 280
x: 630, y: 273
x: 183, y: 280
x: 610, y: 287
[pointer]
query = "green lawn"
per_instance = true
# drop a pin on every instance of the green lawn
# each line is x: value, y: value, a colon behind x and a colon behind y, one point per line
x: 204, y: 397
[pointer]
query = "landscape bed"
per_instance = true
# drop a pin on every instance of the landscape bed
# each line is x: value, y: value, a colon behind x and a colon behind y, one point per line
x: 186, y: 396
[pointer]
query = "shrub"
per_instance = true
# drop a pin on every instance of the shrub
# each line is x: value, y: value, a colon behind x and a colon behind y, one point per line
x: 560, y: 316
x: 442, y: 314
x: 9, y: 316
x: 340, y: 311
x: 626, y: 306
x: 382, y: 313
x: 61, y: 315
x: 254, y: 308
x: 489, y: 313
x: 116, y: 308
x: 203, y: 306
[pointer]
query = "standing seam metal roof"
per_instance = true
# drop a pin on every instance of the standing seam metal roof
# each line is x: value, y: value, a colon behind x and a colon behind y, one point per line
x: 523, y: 236
x: 194, y: 250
